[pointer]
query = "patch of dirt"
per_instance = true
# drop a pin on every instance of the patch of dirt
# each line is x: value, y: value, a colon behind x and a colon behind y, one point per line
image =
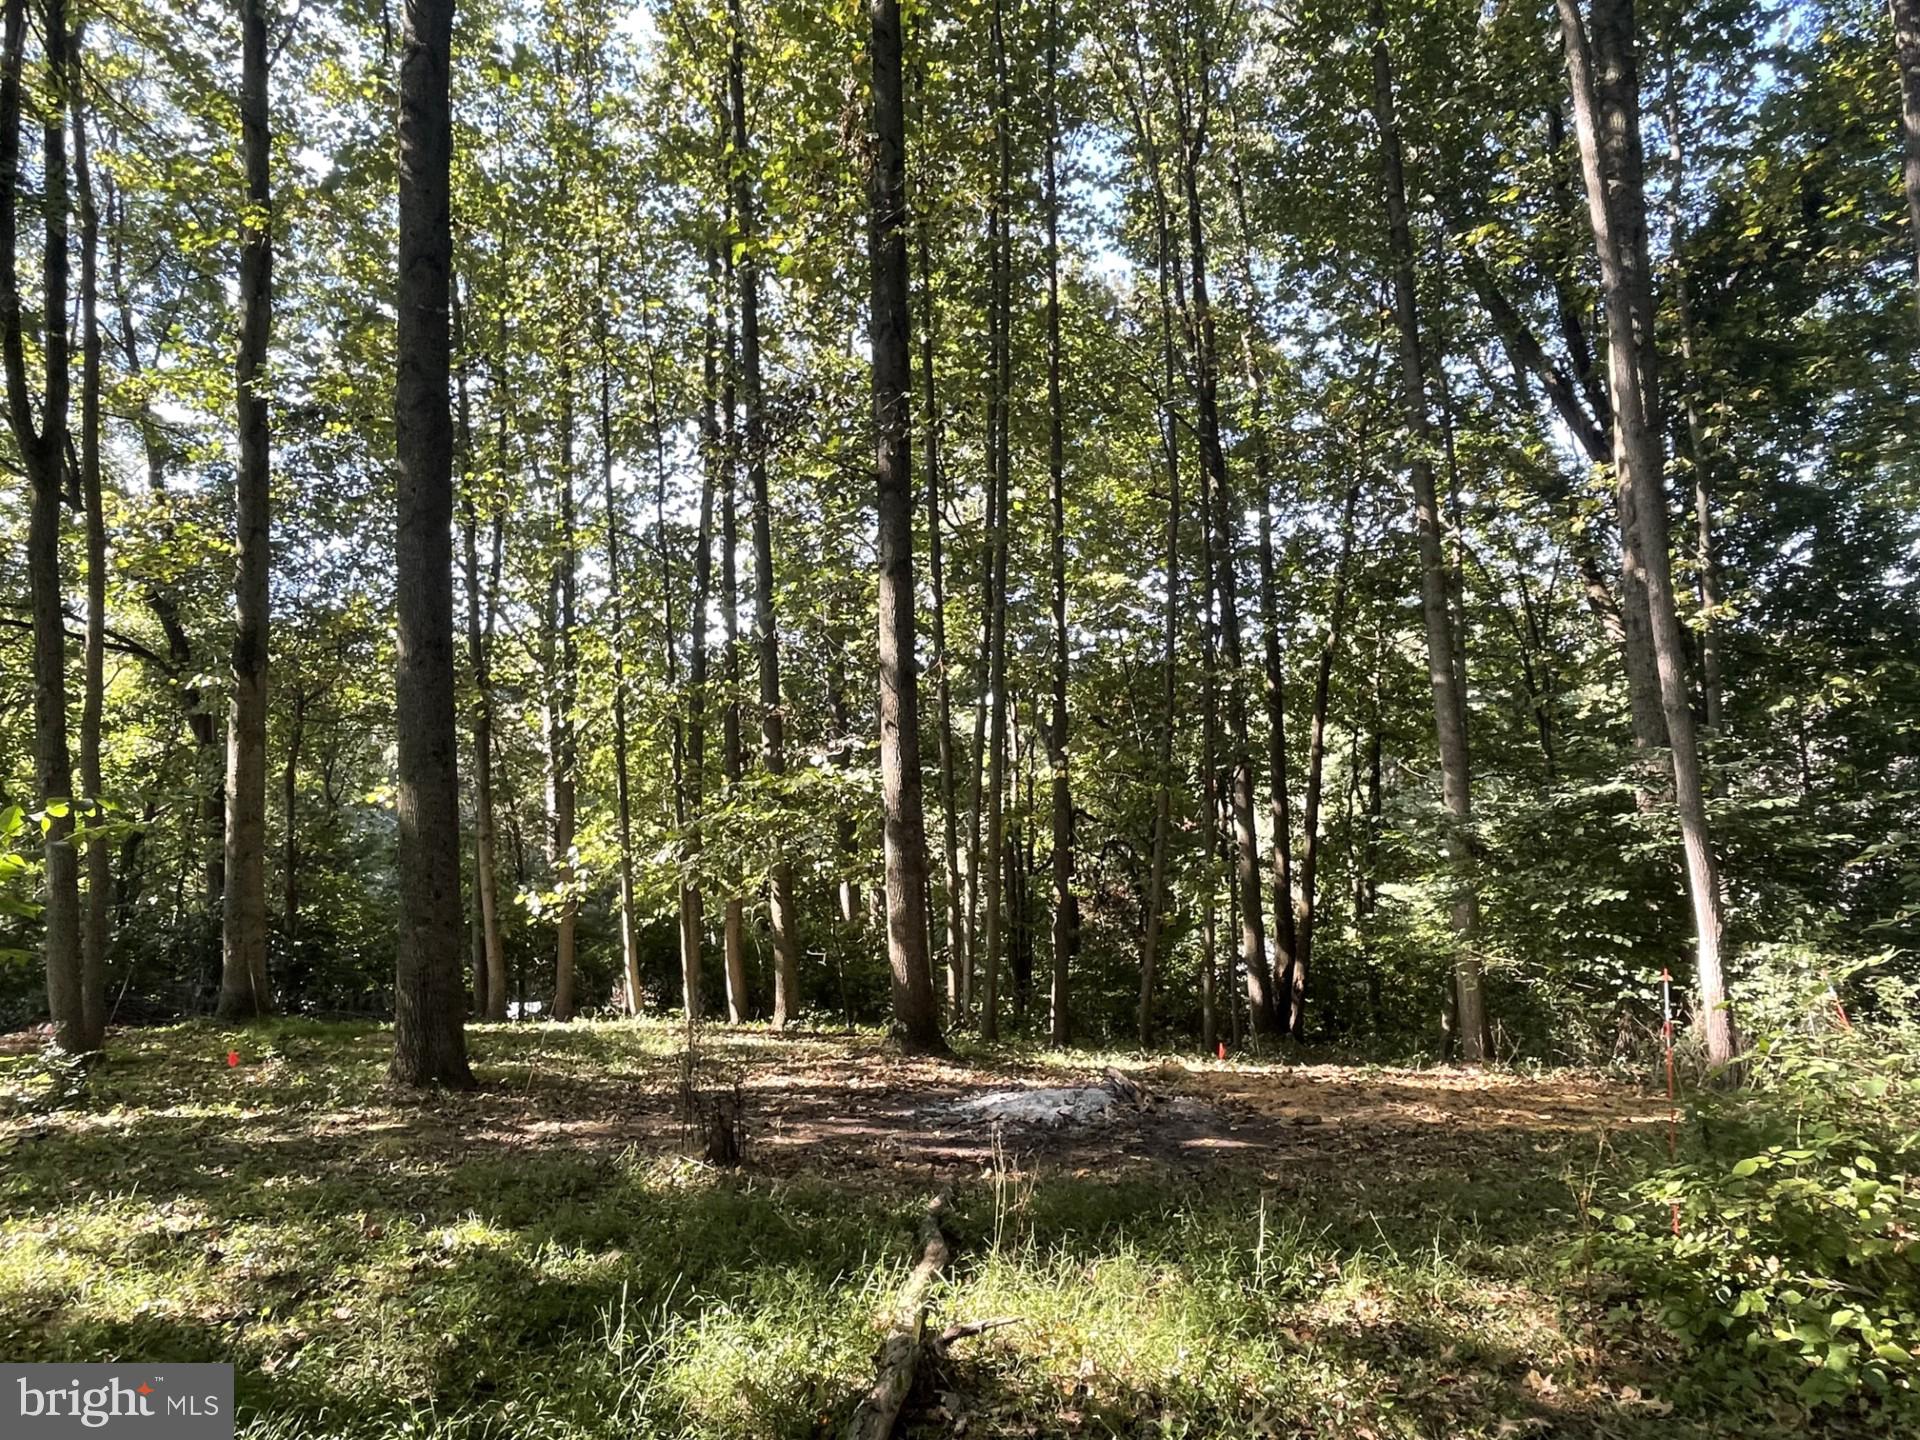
x: 836, y: 1105
x: 815, y: 1105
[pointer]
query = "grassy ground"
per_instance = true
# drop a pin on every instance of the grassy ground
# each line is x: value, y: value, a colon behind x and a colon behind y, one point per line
x: 1332, y: 1251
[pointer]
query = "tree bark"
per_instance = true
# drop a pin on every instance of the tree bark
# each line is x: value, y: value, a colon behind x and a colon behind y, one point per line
x: 562, y: 672
x: 1253, y: 949
x: 616, y: 639
x: 840, y: 746
x: 1449, y: 708
x: 1306, y: 915
x: 1066, y: 916
x: 998, y: 450
x: 1611, y: 210
x: 290, y: 809
x: 244, y: 992
x: 97, y: 918
x: 783, y: 920
x: 915, y: 1014
x: 734, y: 937
x: 429, y: 1039
x: 1288, y: 971
x: 712, y: 463
x: 1209, y: 755
x: 42, y: 448
x: 482, y: 607
x: 930, y: 433
x: 1166, y: 271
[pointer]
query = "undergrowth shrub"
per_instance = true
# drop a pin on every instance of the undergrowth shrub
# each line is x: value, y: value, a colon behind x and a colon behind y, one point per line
x: 1779, y: 1247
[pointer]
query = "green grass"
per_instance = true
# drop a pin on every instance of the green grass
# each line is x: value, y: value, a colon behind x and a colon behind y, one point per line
x: 519, y: 1264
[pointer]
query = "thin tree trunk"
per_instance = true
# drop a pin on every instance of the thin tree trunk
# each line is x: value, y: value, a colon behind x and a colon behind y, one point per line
x: 840, y: 745
x: 429, y: 1040
x: 1066, y: 918
x: 930, y: 433
x: 616, y: 639
x: 1253, y: 946
x: 1165, y: 265
x: 290, y: 808
x: 1287, y: 971
x: 1209, y: 748
x: 1306, y: 917
x: 482, y: 605
x: 1366, y: 874
x: 712, y: 463
x: 782, y: 917
x: 1639, y: 455
x: 562, y: 742
x: 998, y: 430
x: 915, y: 1014
x: 96, y: 920
x: 734, y: 937
x: 1449, y: 708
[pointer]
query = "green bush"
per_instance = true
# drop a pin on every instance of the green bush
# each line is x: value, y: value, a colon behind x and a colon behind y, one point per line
x: 1780, y: 1247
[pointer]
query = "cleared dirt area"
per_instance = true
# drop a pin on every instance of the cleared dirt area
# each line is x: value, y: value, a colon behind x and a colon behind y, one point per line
x: 815, y: 1104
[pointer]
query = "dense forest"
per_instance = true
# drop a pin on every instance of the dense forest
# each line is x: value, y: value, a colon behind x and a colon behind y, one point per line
x: 1391, y: 526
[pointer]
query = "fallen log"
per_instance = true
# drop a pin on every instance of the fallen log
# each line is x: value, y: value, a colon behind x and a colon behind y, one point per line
x: 899, y: 1354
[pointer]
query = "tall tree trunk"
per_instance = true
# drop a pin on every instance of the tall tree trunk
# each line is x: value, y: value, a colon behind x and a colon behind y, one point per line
x: 616, y: 639
x: 1287, y: 972
x: 429, y: 1039
x: 712, y: 463
x: 915, y: 1015
x: 782, y: 917
x: 1617, y: 97
x: 96, y: 920
x: 1449, y: 707
x: 1306, y: 916
x: 840, y: 745
x: 930, y: 433
x: 42, y: 450
x: 1165, y: 267
x: 998, y: 448
x: 1366, y: 870
x: 1194, y: 106
x: 243, y: 975
x: 562, y: 741
x: 734, y: 936
x: 290, y: 808
x: 1906, y: 47
x: 1209, y: 754
x: 1611, y: 211
x: 482, y: 606
x: 1066, y: 916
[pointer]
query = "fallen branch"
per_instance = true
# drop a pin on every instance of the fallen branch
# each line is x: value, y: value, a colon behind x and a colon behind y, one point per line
x: 899, y: 1355
x: 972, y: 1327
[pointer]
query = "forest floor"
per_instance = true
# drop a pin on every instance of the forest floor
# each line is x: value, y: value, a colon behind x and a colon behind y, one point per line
x: 1277, y: 1249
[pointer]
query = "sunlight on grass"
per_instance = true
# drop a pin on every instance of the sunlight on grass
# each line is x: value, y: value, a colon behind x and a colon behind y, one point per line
x: 529, y: 1263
